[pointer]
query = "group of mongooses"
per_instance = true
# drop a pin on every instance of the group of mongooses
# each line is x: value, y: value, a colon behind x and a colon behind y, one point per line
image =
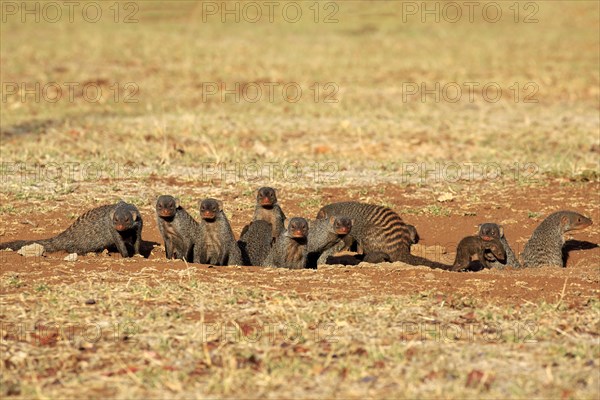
x: 377, y: 233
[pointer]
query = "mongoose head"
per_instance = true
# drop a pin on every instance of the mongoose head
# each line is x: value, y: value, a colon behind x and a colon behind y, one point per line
x: 166, y: 206
x: 341, y: 225
x: 412, y: 234
x: 297, y: 228
x: 266, y: 197
x: 210, y: 208
x: 489, y: 230
x: 495, y: 246
x: 571, y: 221
x: 124, y: 217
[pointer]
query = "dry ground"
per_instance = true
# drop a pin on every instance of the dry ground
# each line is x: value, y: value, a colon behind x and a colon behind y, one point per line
x: 106, y: 327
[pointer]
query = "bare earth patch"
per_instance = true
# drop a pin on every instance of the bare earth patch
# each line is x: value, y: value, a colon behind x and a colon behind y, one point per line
x: 149, y: 327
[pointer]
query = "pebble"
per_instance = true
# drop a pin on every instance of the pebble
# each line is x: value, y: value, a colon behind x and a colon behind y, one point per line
x: 32, y: 250
x: 71, y: 257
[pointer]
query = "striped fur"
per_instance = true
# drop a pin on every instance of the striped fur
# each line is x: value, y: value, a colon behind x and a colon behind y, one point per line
x: 380, y: 230
x: 376, y: 228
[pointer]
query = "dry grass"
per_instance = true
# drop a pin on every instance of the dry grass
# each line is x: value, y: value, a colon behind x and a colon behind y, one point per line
x: 161, y: 329
x: 172, y: 127
x: 158, y: 334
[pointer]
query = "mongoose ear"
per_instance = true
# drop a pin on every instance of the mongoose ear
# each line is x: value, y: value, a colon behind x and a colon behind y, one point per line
x: 564, y: 221
x: 479, y: 228
x: 135, y: 215
x: 111, y: 214
x: 176, y: 202
x: 331, y: 220
x: 286, y: 223
x: 220, y: 203
x: 501, y: 231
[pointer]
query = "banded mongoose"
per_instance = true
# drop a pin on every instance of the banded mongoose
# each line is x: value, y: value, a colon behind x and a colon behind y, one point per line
x: 255, y: 242
x: 490, y: 230
x: 379, y: 256
x: 380, y: 230
x: 475, y: 246
x: 110, y: 225
x: 546, y: 243
x: 215, y: 243
x: 291, y: 247
x: 177, y: 227
x: 326, y: 237
x: 268, y: 210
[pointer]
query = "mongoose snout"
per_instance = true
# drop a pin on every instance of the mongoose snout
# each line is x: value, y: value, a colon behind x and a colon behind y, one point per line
x: 298, y: 228
x: 266, y: 196
x: 342, y: 225
x: 209, y: 209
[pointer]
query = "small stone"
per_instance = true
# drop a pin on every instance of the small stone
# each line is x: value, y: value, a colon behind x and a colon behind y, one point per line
x: 32, y: 250
x: 71, y: 257
x: 445, y: 197
x: 90, y: 302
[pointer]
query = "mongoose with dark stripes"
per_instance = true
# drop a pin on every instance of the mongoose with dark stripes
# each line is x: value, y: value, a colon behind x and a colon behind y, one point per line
x: 378, y: 229
x: 110, y: 225
x: 177, y: 227
x: 490, y: 230
x: 379, y: 256
x: 326, y: 237
x: 546, y: 243
x: 475, y: 246
x: 255, y: 242
x: 215, y: 243
x: 268, y: 210
x: 291, y: 247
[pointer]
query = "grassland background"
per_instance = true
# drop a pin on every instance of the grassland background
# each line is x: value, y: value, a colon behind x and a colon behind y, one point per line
x: 171, y: 132
x: 368, y: 54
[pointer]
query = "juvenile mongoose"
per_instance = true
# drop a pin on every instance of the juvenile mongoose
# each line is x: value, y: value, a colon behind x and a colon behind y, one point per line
x: 255, y: 242
x: 545, y: 245
x: 117, y: 225
x: 490, y: 230
x: 215, y: 243
x: 177, y: 227
x: 475, y: 246
x: 268, y: 210
x: 378, y: 229
x: 326, y: 237
x: 291, y: 247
